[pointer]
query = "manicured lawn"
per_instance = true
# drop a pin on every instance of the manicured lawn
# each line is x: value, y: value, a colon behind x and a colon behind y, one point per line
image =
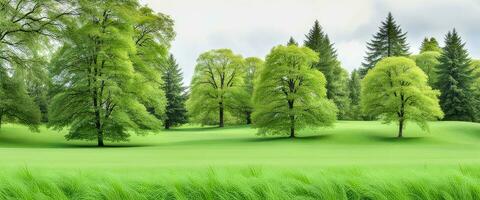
x: 351, y: 160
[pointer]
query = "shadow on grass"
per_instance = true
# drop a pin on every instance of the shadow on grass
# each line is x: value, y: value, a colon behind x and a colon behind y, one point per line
x: 204, y: 129
x: 107, y: 146
x: 394, y: 139
x: 300, y: 138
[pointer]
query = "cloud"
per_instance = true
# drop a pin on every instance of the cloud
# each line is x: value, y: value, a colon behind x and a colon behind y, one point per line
x: 253, y: 27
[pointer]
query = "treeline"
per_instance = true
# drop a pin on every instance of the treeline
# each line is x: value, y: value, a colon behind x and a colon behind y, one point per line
x: 305, y: 85
x: 102, y: 70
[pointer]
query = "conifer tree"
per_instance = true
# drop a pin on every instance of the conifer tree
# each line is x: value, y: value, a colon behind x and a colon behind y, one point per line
x: 430, y: 45
x: 175, y: 112
x: 354, y: 85
x: 292, y: 41
x: 329, y: 65
x: 455, y: 80
x: 389, y: 41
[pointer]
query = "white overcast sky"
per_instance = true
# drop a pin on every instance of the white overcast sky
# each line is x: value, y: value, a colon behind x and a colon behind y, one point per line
x: 253, y: 27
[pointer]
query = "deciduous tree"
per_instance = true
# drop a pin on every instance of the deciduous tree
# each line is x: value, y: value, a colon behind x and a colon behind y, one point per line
x: 104, y: 73
x: 430, y: 45
x: 218, y: 77
x: 289, y: 94
x: 397, y: 90
x: 428, y: 62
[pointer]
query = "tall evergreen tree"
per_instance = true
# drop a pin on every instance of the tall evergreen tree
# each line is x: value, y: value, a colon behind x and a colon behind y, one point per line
x: 354, y: 86
x: 455, y: 80
x: 329, y: 65
x: 175, y: 112
x: 389, y: 41
x: 430, y: 45
x: 292, y: 41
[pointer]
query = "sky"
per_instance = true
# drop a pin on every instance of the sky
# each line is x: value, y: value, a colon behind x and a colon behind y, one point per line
x: 253, y: 27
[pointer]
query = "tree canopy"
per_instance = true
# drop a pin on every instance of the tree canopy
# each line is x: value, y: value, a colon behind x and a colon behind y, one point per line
x: 430, y: 45
x: 175, y: 111
x: 428, y: 62
x: 105, y: 75
x: 289, y: 94
x: 218, y: 78
x: 397, y: 90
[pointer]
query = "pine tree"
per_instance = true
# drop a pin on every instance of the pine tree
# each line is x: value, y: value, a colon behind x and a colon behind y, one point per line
x: 389, y: 41
x: 175, y: 112
x: 430, y: 45
x: 329, y: 65
x: 455, y: 80
x: 292, y: 41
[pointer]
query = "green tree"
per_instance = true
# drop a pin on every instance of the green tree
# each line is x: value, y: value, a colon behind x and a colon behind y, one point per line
x: 329, y: 65
x: 455, y: 80
x: 428, y: 62
x: 26, y: 28
x: 475, y: 65
x: 289, y: 94
x: 242, y: 102
x: 104, y: 74
x: 175, y: 112
x: 218, y: 77
x: 397, y: 90
x: 389, y: 41
x: 292, y: 41
x: 430, y: 45
x: 341, y: 96
x: 354, y: 85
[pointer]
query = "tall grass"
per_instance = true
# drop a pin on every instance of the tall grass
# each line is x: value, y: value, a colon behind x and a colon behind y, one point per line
x: 244, y: 183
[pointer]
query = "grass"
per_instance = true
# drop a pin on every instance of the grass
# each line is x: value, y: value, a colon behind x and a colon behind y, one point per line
x: 353, y: 160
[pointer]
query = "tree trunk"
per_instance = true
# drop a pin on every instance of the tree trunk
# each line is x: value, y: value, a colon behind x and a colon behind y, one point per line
x: 292, y: 120
x: 220, y: 113
x: 249, y: 118
x: 167, y: 125
x: 400, y: 128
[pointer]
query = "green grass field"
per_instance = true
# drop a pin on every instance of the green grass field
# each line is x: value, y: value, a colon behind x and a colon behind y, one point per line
x: 353, y: 160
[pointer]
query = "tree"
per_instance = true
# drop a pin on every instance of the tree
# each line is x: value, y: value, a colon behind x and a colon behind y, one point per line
x: 475, y: 65
x: 292, y: 41
x: 387, y: 42
x: 175, y: 112
x: 455, y: 80
x: 26, y: 28
x: 218, y: 77
x: 242, y: 102
x: 329, y: 65
x: 15, y: 104
x: 289, y: 94
x: 430, y: 45
x: 397, y: 90
x: 104, y: 75
x: 341, y: 93
x: 428, y: 62
x: 354, y: 85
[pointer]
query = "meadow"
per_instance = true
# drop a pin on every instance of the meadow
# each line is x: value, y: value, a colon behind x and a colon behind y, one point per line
x: 353, y: 160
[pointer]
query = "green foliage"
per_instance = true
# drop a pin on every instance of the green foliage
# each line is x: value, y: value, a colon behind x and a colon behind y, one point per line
x: 217, y: 81
x: 354, y: 87
x: 329, y: 65
x: 389, y: 41
x: 25, y: 30
x: 106, y: 73
x: 455, y: 80
x: 292, y: 41
x: 428, y: 62
x: 242, y: 104
x: 15, y: 104
x: 289, y: 94
x: 175, y: 112
x: 475, y: 66
x: 397, y: 90
x: 430, y: 45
